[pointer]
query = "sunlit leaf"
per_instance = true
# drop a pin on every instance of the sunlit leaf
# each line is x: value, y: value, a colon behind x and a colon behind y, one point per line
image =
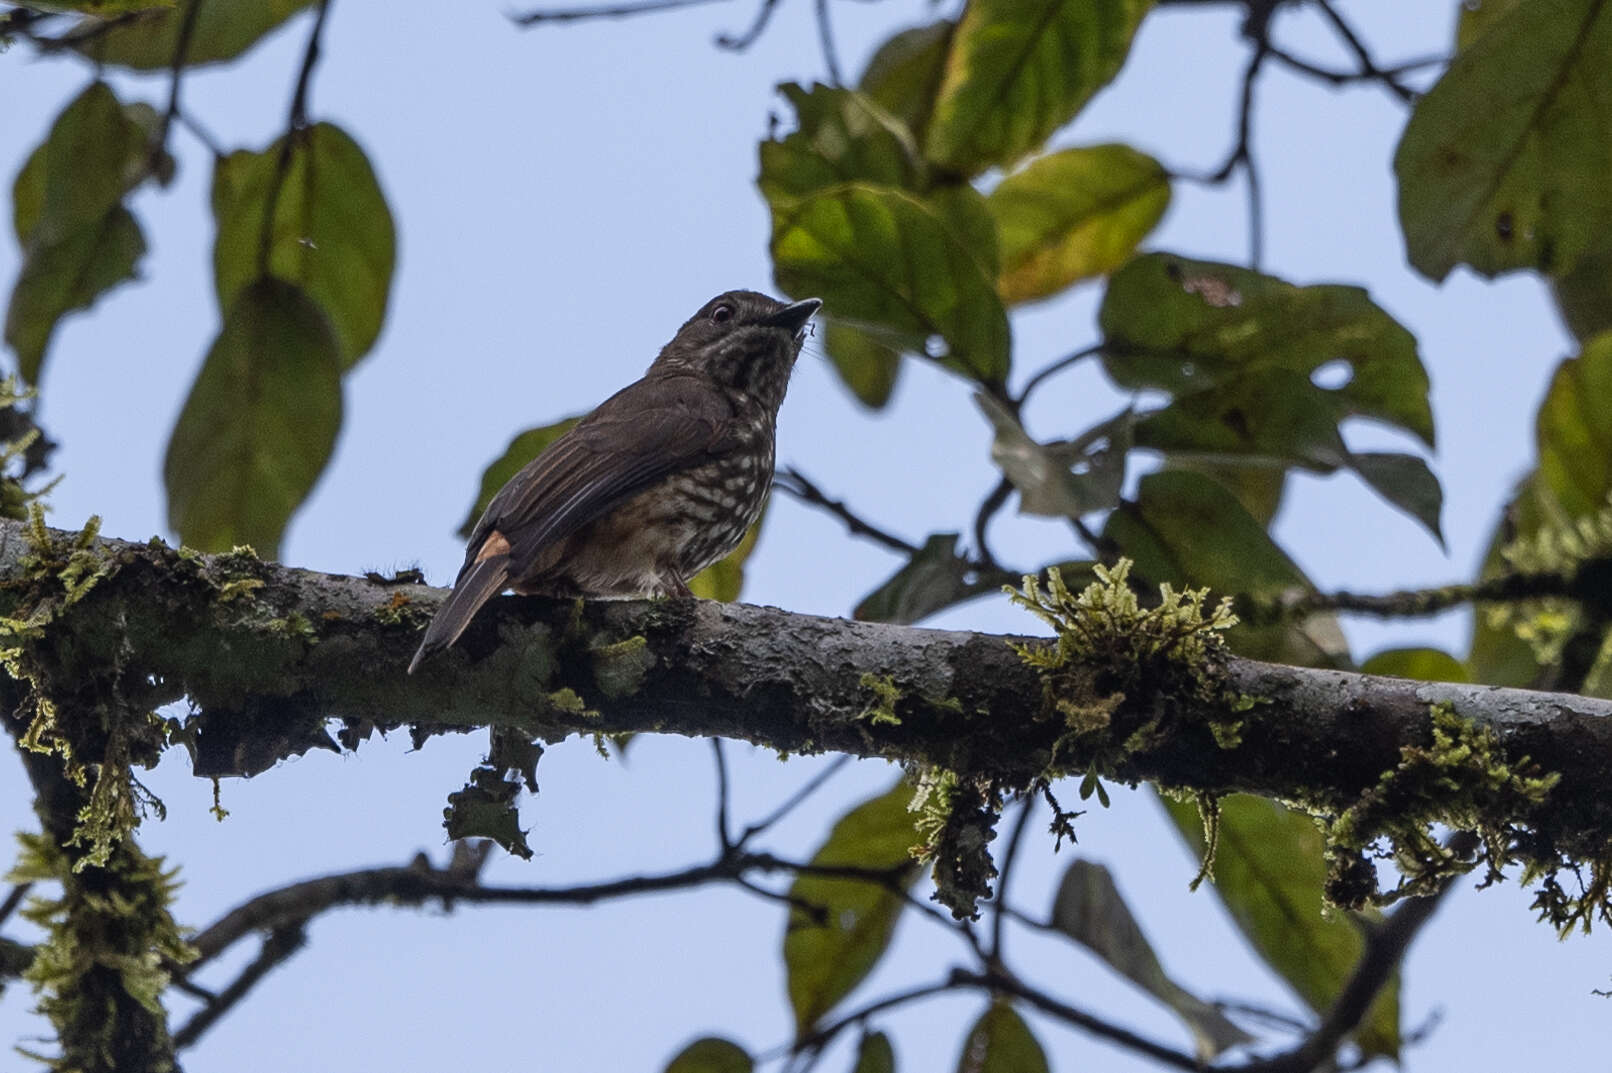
x: 1090, y: 910
x: 1072, y: 215
x: 1423, y: 664
x: 1061, y: 479
x: 886, y: 257
x: 1017, y: 70
x: 840, y: 136
x: 1574, y: 430
x: 875, y: 1055
x: 331, y: 234
x: 1186, y: 529
x: 1185, y: 326
x: 259, y: 424
x: 1000, y: 1042
x: 224, y: 29
x: 1269, y: 873
x: 905, y: 73
x: 521, y: 450
x: 711, y: 1055
x: 867, y: 365
x: 825, y: 961
x: 1503, y: 164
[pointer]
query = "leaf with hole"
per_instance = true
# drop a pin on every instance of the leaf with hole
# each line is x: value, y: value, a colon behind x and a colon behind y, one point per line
x: 830, y: 950
x: 259, y: 424
x: 1063, y: 478
x: 1503, y: 163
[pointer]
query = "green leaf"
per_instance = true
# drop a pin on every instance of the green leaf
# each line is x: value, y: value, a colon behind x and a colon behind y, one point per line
x: 1074, y: 214
x: 1423, y: 664
x: 1184, y: 326
x: 885, y: 257
x: 331, y: 235
x: 1064, y: 478
x: 931, y: 581
x: 1089, y: 909
x: 1276, y: 417
x: 521, y: 450
x: 868, y: 366
x: 146, y: 42
x: 840, y: 136
x: 65, y: 275
x: 1584, y: 294
x: 1017, y: 70
x: 1503, y: 164
x: 905, y: 73
x: 724, y: 579
x: 78, y: 240
x: 1497, y: 656
x: 875, y: 1055
x: 825, y: 961
x: 1000, y: 1042
x: 1406, y: 482
x: 1574, y: 430
x: 711, y: 1055
x: 1186, y: 529
x: 1269, y: 873
x: 103, y: 8
x: 1479, y: 18
x: 259, y: 424
x: 1258, y: 487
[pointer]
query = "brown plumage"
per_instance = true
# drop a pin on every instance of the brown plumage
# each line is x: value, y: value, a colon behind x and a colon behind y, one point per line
x: 656, y: 484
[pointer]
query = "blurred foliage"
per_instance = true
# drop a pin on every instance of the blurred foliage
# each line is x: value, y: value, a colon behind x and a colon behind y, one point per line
x: 921, y: 203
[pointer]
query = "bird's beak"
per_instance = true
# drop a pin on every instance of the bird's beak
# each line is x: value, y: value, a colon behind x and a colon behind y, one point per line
x: 793, y: 317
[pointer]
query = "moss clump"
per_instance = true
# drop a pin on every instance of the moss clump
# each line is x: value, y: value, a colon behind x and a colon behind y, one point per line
x: 619, y: 668
x: 1462, y: 780
x: 886, y: 694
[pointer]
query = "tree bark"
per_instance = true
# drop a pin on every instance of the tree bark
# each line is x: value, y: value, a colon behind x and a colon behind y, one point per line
x: 266, y: 654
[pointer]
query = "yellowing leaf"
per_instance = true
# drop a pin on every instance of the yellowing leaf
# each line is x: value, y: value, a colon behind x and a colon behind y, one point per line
x: 1072, y: 215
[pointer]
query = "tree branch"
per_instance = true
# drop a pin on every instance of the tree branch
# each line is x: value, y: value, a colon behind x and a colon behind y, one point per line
x: 266, y: 653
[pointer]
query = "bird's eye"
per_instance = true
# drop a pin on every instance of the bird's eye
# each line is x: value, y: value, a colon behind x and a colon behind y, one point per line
x: 722, y: 314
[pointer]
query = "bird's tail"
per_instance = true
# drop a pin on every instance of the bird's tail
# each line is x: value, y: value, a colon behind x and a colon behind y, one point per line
x: 481, y: 583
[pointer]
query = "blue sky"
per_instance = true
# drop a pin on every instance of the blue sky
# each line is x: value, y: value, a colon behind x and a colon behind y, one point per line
x: 565, y: 197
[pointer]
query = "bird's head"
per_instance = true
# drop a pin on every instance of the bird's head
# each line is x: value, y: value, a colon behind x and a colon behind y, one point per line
x: 745, y: 341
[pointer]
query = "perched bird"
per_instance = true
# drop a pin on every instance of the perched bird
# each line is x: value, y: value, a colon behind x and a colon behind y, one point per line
x: 658, y: 483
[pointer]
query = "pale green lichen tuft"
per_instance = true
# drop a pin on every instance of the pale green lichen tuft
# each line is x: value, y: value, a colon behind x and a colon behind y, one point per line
x: 886, y: 694
x: 619, y: 668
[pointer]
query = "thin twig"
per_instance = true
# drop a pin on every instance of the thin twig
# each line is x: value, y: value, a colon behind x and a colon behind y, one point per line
x: 793, y: 482
x: 723, y: 838
x: 296, y: 121
x: 1368, y: 66
x: 999, y: 907
x: 187, y: 30
x: 1421, y: 603
x: 989, y: 507
x: 14, y: 899
x: 613, y: 11
x: 752, y: 34
x: 825, y: 35
x: 794, y: 800
x: 1056, y: 367
x: 278, y: 947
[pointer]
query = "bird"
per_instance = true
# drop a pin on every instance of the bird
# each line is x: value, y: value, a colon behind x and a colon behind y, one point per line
x: 657, y: 483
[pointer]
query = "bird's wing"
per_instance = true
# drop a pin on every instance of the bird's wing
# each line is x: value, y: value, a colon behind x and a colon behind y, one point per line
x: 648, y: 430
